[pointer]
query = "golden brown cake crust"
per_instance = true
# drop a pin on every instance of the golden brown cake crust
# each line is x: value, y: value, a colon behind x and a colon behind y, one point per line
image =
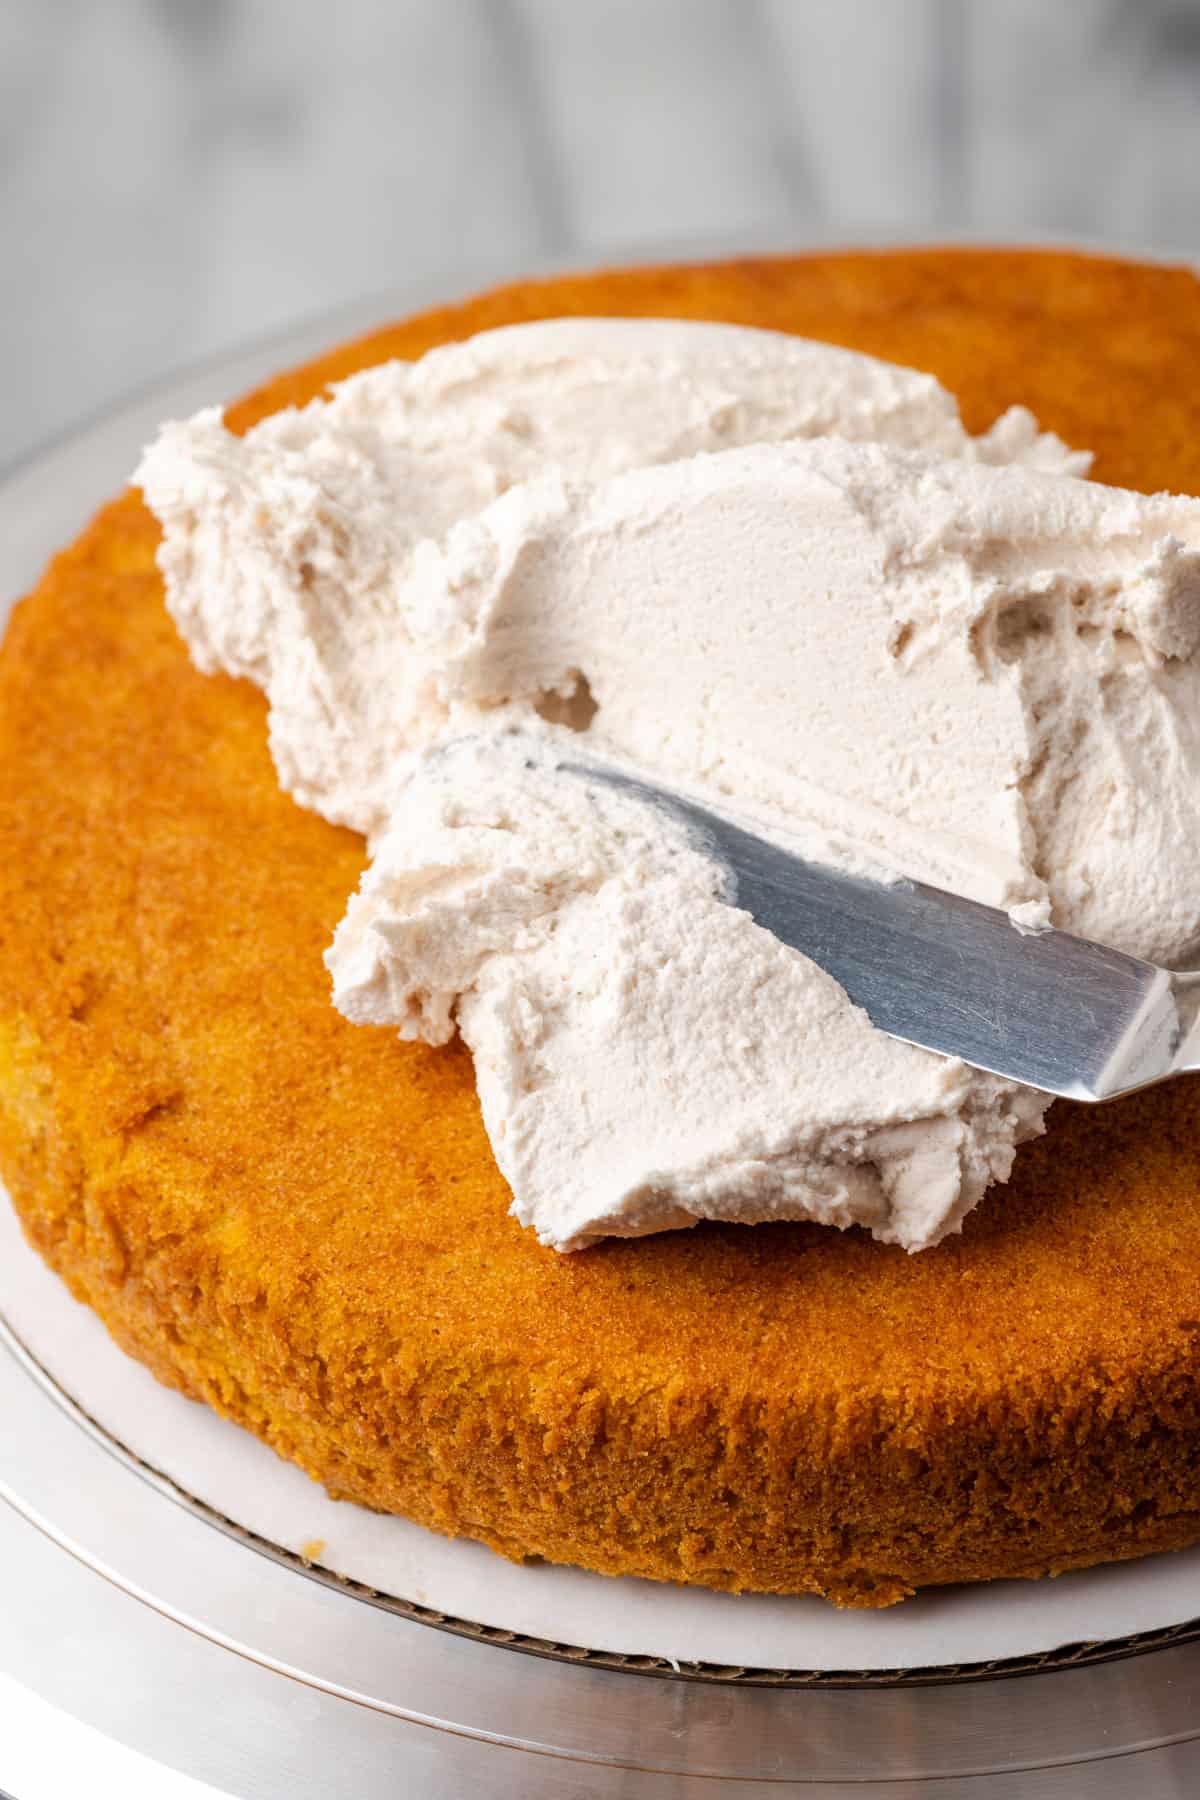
x: 299, y: 1220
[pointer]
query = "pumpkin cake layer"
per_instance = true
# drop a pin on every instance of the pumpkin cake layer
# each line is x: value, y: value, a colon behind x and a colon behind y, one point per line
x: 299, y: 1220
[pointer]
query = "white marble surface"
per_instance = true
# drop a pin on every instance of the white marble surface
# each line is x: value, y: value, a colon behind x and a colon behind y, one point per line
x: 176, y: 175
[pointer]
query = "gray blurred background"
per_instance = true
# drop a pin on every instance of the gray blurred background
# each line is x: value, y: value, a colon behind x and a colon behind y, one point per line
x: 179, y: 175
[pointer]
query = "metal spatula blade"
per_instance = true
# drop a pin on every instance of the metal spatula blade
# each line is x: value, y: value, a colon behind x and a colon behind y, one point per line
x: 1047, y: 1009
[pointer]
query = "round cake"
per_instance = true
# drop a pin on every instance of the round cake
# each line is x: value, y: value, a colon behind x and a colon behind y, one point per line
x: 299, y: 1220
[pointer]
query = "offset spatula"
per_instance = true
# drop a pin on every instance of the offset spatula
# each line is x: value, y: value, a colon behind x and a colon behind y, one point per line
x: 1044, y: 1008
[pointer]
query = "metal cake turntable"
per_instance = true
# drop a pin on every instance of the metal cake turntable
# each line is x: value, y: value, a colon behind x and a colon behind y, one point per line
x: 135, y: 1607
